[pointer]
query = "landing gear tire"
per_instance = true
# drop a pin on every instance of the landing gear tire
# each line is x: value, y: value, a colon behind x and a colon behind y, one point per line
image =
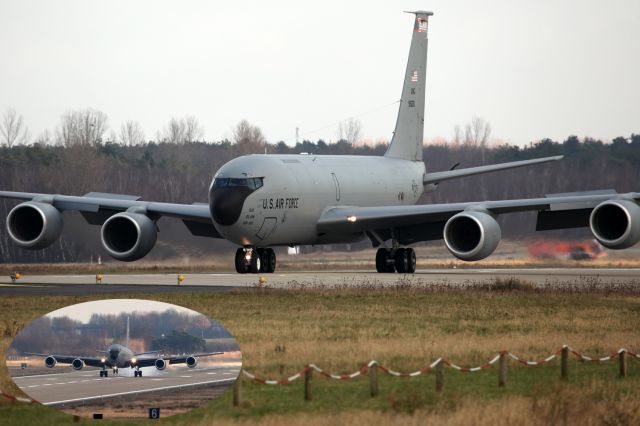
x: 411, y: 257
x: 255, y: 262
x: 270, y: 261
x: 241, y: 263
x: 401, y: 261
x: 104, y: 373
x: 383, y: 261
x: 137, y: 373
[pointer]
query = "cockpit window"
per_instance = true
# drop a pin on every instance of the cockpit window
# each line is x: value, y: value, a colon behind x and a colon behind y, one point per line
x: 251, y: 183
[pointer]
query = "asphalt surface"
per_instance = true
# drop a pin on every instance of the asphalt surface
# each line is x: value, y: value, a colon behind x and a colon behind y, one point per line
x: 223, y: 282
x: 74, y: 387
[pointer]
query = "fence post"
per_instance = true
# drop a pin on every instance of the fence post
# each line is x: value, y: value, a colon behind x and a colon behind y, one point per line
x: 564, y: 363
x: 373, y: 379
x: 236, y: 391
x: 502, y: 372
x: 622, y: 359
x: 439, y: 376
x: 307, y: 384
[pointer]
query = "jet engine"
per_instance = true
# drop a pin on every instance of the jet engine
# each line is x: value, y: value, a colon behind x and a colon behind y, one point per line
x: 616, y: 223
x: 34, y: 225
x: 128, y: 236
x: 77, y: 364
x: 192, y: 361
x: 161, y: 364
x: 472, y: 235
x: 50, y: 361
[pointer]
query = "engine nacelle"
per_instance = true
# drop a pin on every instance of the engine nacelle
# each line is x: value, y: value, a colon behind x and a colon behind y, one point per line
x: 77, y: 364
x: 128, y: 236
x: 161, y: 364
x: 34, y: 225
x: 616, y: 223
x: 472, y: 235
x: 192, y: 361
x: 50, y: 361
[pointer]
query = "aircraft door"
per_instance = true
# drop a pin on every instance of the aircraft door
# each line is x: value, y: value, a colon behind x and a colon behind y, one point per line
x: 268, y: 226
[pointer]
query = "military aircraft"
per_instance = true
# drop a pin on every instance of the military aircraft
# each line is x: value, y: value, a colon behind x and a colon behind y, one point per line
x: 120, y: 356
x: 262, y: 201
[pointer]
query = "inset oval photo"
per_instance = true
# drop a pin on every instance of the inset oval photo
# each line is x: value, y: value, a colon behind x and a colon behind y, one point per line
x: 124, y: 358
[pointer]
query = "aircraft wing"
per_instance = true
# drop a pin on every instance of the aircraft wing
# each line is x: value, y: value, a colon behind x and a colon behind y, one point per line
x: 68, y: 359
x: 96, y: 207
x: 183, y: 359
x: 426, y: 221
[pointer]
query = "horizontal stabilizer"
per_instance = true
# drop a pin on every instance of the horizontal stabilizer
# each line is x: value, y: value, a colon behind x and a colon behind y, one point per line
x: 437, y: 177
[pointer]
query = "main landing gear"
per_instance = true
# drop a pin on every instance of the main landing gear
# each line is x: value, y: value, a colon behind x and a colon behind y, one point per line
x: 137, y: 373
x: 104, y: 372
x: 255, y: 260
x: 401, y: 260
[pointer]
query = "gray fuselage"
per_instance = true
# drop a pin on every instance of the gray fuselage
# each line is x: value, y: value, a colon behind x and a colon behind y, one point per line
x: 119, y: 356
x: 294, y: 191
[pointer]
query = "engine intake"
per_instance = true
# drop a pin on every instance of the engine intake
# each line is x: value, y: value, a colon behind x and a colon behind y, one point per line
x: 77, y: 364
x: 192, y: 361
x: 161, y: 364
x: 128, y: 236
x: 50, y: 361
x: 33, y: 225
x: 472, y: 235
x: 616, y: 223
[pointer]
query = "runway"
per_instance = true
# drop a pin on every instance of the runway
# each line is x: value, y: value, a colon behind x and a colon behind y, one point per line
x: 74, y: 387
x: 136, y: 283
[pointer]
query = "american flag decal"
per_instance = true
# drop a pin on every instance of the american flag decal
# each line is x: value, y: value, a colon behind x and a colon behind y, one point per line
x: 414, y: 76
x: 422, y: 25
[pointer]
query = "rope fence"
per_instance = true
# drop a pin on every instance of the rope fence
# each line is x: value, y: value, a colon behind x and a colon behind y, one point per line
x: 371, y: 369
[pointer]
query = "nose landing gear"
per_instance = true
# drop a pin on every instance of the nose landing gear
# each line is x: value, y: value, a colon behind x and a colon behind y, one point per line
x: 255, y: 260
x: 401, y: 260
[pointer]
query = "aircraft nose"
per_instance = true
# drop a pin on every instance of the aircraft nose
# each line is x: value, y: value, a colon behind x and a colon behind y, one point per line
x: 226, y: 204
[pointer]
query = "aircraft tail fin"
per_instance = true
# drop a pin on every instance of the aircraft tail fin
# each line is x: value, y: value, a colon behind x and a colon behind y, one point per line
x: 127, y: 344
x: 408, y: 134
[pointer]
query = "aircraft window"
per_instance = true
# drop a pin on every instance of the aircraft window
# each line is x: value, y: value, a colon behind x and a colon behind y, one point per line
x: 251, y: 183
x: 220, y: 182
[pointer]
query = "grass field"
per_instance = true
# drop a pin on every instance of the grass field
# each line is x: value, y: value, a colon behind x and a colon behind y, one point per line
x: 405, y: 328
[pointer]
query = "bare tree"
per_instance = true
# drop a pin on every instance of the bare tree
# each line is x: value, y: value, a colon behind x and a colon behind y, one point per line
x: 82, y: 127
x: 43, y: 138
x: 131, y: 133
x: 183, y: 130
x: 477, y: 132
x: 350, y: 130
x: 193, y: 131
x: 248, y: 137
x: 13, y: 129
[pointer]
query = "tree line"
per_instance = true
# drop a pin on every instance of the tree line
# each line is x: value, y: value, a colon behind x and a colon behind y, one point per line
x: 179, y: 170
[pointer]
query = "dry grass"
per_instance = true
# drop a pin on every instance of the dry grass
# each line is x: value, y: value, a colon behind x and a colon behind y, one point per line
x: 406, y: 328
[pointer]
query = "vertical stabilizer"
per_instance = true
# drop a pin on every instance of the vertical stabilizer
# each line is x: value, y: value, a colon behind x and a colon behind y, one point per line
x: 407, y: 137
x: 127, y: 341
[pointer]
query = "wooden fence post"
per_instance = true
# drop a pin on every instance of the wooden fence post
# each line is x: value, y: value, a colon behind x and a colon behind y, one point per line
x: 373, y: 379
x: 307, y: 384
x: 439, y: 376
x: 502, y: 372
x: 236, y: 391
x: 564, y: 363
x: 622, y: 359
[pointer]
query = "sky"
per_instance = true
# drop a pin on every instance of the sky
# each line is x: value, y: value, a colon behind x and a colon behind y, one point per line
x: 83, y: 311
x: 533, y: 69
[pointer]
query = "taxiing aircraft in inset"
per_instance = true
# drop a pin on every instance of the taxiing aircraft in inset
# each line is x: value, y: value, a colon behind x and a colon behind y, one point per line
x: 120, y: 356
x: 262, y: 201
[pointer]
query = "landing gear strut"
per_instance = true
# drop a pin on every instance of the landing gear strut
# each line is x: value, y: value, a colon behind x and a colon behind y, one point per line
x: 137, y: 373
x: 401, y: 260
x: 255, y: 260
